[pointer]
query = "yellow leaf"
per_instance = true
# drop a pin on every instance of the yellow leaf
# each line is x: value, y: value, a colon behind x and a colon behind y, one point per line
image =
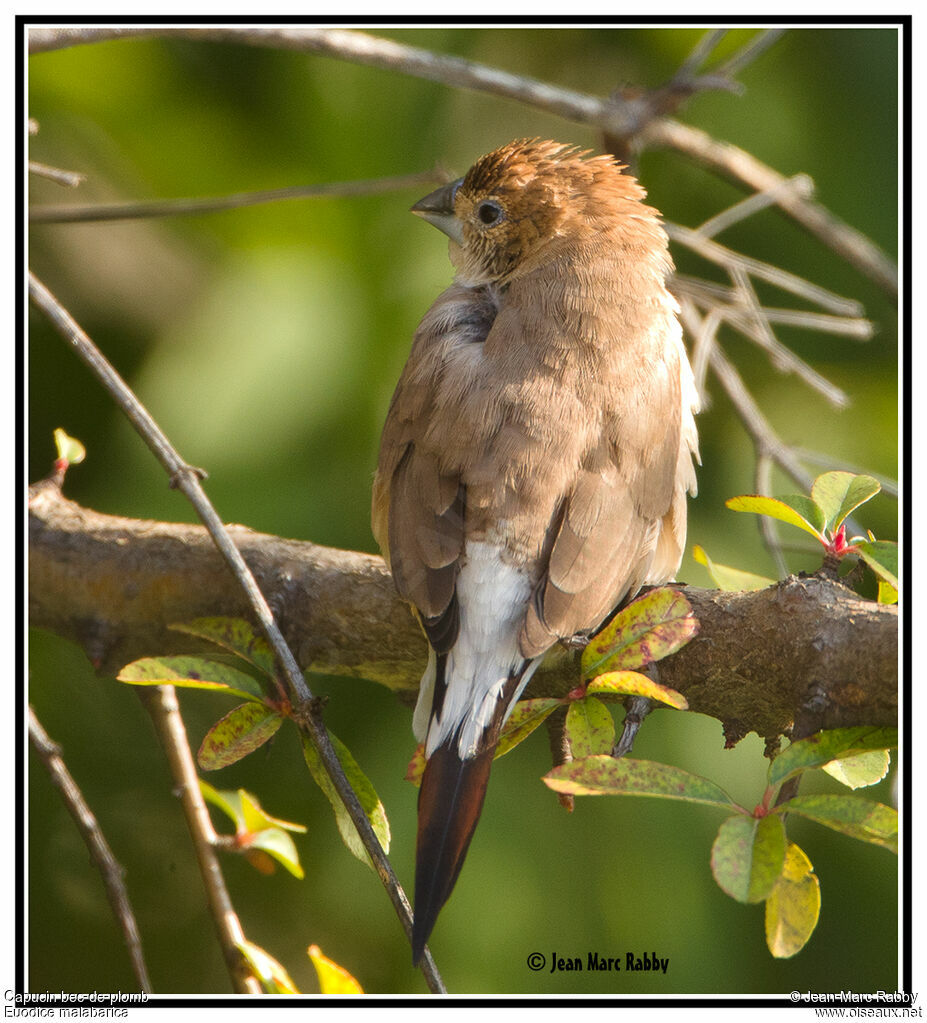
x: 793, y: 905
x: 633, y: 683
x: 333, y: 979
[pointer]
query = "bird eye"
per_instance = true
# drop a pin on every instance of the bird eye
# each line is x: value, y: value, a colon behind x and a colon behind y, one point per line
x: 489, y: 212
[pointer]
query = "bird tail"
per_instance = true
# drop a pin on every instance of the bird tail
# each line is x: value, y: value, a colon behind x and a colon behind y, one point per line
x: 449, y: 803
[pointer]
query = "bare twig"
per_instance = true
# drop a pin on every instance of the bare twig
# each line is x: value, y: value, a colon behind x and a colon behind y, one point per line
x: 723, y: 256
x: 70, y: 179
x: 178, y: 207
x: 889, y: 486
x: 161, y: 704
x: 110, y: 869
x: 186, y: 478
x: 746, y: 170
x: 616, y: 115
x: 800, y: 183
x: 757, y: 425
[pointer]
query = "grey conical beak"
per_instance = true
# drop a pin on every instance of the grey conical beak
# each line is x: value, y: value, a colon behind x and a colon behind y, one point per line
x: 438, y: 209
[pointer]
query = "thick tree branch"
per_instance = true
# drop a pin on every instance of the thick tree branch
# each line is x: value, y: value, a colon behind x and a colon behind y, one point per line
x: 807, y: 646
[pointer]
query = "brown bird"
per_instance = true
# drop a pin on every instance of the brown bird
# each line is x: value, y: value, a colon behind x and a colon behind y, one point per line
x: 536, y: 457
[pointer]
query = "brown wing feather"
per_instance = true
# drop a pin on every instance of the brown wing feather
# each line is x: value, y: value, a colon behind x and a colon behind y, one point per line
x: 610, y: 536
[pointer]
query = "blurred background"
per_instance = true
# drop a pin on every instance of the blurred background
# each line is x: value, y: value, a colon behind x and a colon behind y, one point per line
x: 267, y: 341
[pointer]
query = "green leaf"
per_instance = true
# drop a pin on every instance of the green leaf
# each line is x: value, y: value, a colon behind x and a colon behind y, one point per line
x: 277, y: 843
x: 606, y: 776
x: 243, y: 730
x: 862, y: 770
x: 882, y: 557
x: 747, y: 856
x: 648, y: 629
x: 256, y: 818
x: 838, y: 493
x: 69, y: 448
x: 228, y: 802
x: 273, y: 977
x: 333, y: 979
x: 819, y: 749
x: 859, y: 818
x: 730, y: 579
x: 590, y: 727
x: 234, y: 634
x: 633, y: 683
x: 191, y: 673
x: 888, y: 594
x: 366, y: 794
x: 796, y: 509
x: 793, y: 905
x: 525, y: 717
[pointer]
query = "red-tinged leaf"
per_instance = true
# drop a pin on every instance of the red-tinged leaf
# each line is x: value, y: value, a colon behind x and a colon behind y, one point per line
x: 191, y: 673
x: 243, y: 730
x: 839, y: 493
x: 416, y: 767
x: 859, y: 818
x: 819, y: 749
x: 273, y: 977
x: 590, y: 728
x: 261, y: 862
x: 333, y: 979
x: 747, y: 856
x: 882, y: 557
x: 278, y: 844
x: 633, y: 683
x: 793, y: 905
x: 606, y: 776
x: 727, y: 578
x: 796, y: 510
x: 235, y: 635
x: 648, y: 629
x: 526, y: 716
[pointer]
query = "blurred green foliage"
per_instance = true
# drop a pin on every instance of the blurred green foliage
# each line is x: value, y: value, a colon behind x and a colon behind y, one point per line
x: 267, y: 341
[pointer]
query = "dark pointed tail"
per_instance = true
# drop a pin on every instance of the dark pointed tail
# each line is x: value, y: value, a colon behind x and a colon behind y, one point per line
x: 449, y: 804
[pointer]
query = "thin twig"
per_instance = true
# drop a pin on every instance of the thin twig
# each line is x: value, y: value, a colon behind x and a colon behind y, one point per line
x: 109, y: 867
x: 71, y: 179
x: 710, y: 295
x: 700, y: 52
x: 783, y: 359
x: 161, y: 703
x: 180, y: 207
x: 757, y: 425
x: 186, y: 478
x: 750, y: 51
x: 721, y: 255
x: 800, y: 183
x: 746, y: 170
x: 616, y: 115
x: 762, y: 481
x: 889, y: 486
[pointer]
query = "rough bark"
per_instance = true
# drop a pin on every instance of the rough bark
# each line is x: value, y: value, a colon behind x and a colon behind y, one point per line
x: 807, y: 650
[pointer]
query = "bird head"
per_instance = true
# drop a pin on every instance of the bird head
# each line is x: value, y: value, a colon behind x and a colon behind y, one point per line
x: 526, y: 204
